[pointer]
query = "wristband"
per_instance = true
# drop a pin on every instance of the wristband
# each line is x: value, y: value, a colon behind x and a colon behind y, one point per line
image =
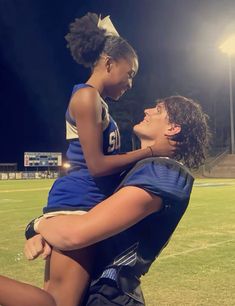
x: 30, y: 231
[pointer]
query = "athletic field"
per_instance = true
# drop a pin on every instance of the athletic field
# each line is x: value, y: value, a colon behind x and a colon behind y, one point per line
x: 196, y: 268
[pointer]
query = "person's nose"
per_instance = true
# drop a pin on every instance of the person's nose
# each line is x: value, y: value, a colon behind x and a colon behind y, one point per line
x: 147, y: 111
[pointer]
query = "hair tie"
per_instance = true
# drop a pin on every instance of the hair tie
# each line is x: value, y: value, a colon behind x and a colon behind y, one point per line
x: 151, y: 150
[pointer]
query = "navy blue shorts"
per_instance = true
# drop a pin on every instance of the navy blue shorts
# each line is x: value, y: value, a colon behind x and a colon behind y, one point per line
x: 105, y: 292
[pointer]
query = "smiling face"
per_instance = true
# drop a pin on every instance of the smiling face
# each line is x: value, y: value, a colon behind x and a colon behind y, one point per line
x: 120, y: 74
x: 155, y: 124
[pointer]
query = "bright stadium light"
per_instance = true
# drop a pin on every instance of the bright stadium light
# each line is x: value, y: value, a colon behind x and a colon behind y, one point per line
x: 66, y: 165
x: 228, y: 47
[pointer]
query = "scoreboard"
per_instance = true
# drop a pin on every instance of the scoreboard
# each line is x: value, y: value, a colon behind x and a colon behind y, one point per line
x: 42, y: 159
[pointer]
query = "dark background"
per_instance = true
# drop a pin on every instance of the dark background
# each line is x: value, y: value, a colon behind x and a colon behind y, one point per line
x: 177, y: 43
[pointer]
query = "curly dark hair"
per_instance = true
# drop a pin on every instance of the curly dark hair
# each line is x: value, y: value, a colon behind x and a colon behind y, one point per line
x: 86, y: 42
x: 194, y: 137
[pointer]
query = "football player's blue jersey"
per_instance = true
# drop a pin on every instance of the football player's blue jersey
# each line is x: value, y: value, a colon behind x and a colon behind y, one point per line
x: 78, y: 190
x: 128, y: 255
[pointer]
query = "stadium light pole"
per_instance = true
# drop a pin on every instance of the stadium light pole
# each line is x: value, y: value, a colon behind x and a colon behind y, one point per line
x: 228, y: 47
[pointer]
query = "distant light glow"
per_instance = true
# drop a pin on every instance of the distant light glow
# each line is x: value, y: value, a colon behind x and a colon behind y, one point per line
x: 66, y: 165
x: 228, y: 46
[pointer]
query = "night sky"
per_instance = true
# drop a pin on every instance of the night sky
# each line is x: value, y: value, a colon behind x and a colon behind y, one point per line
x: 177, y: 43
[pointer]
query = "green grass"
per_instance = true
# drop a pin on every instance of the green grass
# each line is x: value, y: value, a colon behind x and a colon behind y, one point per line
x: 196, y: 268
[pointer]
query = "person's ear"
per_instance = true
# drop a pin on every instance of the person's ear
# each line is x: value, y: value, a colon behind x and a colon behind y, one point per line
x: 108, y: 63
x: 173, y: 129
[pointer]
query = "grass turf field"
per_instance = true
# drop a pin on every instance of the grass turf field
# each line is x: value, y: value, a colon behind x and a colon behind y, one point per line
x: 196, y: 268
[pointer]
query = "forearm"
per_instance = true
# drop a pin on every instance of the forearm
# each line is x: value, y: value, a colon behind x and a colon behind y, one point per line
x: 111, y: 164
x: 117, y: 213
x: 61, y: 231
x: 14, y: 293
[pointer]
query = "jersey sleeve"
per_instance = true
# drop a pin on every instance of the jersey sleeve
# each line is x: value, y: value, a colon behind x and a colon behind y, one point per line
x: 161, y: 176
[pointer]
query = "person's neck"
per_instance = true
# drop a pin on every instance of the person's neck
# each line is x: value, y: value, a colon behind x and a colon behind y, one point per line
x: 165, y: 148
x: 97, y: 83
x: 144, y: 143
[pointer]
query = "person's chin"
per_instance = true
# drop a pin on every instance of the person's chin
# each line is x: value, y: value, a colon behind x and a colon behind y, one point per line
x: 119, y: 95
x: 136, y: 129
x: 139, y: 130
x: 115, y: 98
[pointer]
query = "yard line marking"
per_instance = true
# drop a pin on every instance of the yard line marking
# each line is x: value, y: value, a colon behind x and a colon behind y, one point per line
x: 23, y: 190
x: 10, y: 201
x: 224, y: 184
x: 4, y: 248
x: 3, y: 211
x: 196, y: 249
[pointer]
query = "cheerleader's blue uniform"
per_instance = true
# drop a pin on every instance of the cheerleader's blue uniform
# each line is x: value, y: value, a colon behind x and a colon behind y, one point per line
x: 78, y: 190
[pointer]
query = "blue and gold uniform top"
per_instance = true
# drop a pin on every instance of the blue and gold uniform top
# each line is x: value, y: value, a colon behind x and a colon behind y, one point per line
x: 128, y: 255
x: 111, y: 137
x: 78, y: 190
